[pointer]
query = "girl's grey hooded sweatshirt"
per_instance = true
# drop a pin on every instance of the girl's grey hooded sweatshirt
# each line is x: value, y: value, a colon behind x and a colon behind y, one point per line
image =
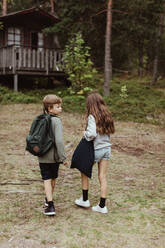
x: 100, y: 141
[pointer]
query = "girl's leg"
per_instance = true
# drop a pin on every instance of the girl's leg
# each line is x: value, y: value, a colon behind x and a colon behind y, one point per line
x: 83, y: 201
x: 85, y: 182
x: 102, y: 175
x: 85, y: 186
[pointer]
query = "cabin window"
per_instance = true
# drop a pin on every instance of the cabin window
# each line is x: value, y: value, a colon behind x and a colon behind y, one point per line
x: 14, y: 36
x: 56, y: 41
x: 34, y: 40
x: 37, y: 40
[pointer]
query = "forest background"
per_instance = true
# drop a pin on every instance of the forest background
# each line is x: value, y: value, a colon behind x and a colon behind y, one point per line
x: 138, y: 38
x: 136, y: 172
x: 137, y: 53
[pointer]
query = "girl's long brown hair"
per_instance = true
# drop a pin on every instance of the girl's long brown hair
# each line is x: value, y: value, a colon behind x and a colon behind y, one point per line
x: 96, y: 106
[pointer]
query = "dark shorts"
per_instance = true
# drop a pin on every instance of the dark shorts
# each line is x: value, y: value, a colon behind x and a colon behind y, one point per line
x: 49, y: 171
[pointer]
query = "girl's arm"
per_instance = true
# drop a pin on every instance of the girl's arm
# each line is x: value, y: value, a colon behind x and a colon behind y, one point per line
x: 90, y: 132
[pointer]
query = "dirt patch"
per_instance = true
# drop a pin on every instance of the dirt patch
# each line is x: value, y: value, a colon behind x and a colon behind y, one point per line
x: 129, y: 150
x: 135, y: 189
x: 139, y: 140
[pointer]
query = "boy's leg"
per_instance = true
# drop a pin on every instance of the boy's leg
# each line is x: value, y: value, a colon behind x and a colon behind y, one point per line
x: 50, y: 209
x: 54, y: 175
x: 53, y: 183
x: 50, y: 183
x: 46, y: 176
x: 53, y: 186
x: 48, y: 189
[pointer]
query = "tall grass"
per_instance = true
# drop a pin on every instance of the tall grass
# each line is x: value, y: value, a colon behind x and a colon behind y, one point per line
x: 140, y: 102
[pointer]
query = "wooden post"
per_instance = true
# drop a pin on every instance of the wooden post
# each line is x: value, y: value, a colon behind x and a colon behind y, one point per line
x: 29, y: 58
x: 38, y: 59
x: 15, y: 82
x: 20, y: 58
x: 33, y: 59
x: 4, y: 60
x: 51, y: 59
x: 24, y: 57
x: 13, y: 59
x: 42, y: 59
x: 47, y: 62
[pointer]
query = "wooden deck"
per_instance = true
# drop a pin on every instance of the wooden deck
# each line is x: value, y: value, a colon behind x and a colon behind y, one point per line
x: 27, y: 61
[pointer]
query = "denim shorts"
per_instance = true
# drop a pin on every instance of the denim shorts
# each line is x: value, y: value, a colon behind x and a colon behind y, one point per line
x: 102, y: 154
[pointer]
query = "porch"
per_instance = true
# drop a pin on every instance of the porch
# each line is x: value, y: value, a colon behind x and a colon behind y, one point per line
x: 27, y: 61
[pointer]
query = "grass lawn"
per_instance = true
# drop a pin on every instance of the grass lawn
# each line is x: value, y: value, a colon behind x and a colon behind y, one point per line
x: 136, y: 193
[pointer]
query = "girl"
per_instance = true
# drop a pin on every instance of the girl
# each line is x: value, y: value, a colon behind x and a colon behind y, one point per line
x: 99, y: 127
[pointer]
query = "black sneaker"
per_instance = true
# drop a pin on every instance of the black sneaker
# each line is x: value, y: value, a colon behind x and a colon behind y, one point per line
x: 50, y: 210
x: 46, y: 202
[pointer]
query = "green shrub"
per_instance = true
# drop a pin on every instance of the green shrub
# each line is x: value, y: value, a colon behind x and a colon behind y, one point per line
x: 8, y: 96
x: 74, y: 103
x: 79, y: 67
x: 142, y: 101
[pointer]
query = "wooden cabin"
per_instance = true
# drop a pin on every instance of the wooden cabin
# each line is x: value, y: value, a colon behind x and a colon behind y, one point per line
x: 25, y: 49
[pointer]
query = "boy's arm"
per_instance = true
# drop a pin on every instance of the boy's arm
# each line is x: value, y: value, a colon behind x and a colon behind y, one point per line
x: 59, y: 142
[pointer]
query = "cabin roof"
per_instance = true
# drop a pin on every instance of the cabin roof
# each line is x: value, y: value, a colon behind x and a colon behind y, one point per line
x: 31, y: 16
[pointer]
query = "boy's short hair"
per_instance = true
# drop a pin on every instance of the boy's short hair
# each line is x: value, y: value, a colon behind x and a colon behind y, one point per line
x: 49, y: 100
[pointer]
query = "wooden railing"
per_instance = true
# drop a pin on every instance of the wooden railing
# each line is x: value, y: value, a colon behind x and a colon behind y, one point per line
x: 13, y: 59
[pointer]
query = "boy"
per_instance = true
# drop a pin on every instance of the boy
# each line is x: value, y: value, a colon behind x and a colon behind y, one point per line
x: 49, y: 162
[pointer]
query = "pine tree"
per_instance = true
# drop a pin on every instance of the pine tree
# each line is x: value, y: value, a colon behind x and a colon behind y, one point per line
x: 108, y: 60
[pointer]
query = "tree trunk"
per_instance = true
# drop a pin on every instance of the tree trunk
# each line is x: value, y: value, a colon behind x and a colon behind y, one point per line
x: 141, y: 62
x: 4, y: 7
x: 155, y: 64
x: 108, y: 60
x: 52, y: 6
x: 157, y: 46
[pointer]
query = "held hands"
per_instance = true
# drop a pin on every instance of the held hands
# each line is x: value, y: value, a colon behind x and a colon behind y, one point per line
x: 65, y: 163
